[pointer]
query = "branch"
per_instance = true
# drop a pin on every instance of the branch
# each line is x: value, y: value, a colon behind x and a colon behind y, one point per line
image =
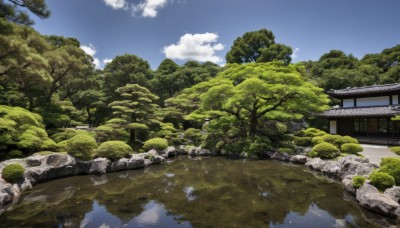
x: 280, y: 103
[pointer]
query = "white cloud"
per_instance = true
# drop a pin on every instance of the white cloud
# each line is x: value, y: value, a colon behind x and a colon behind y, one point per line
x: 200, y: 47
x: 294, y: 54
x: 116, y: 4
x: 107, y: 60
x: 91, y: 50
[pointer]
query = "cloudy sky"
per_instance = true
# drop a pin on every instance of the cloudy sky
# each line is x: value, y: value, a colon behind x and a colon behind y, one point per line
x: 204, y: 30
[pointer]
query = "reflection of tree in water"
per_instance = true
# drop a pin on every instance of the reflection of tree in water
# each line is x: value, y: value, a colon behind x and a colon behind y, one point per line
x: 208, y: 192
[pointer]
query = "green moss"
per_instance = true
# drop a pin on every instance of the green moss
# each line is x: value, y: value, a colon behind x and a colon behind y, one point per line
x: 155, y: 143
x: 114, y: 150
x: 381, y: 180
x: 13, y: 172
x: 325, y: 150
x: 358, y: 181
x: 81, y: 146
x: 351, y: 148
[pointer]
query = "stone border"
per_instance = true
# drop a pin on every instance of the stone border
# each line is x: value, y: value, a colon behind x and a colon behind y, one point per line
x: 42, y: 168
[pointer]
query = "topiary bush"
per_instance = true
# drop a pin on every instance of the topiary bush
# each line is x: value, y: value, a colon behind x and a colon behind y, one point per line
x: 81, y: 146
x: 381, y: 180
x: 324, y: 150
x: 351, y: 148
x: 391, y: 166
x: 332, y: 139
x: 13, y: 172
x: 114, y: 150
x: 395, y: 149
x: 316, y: 140
x: 158, y: 144
x: 358, y: 181
x: 302, y: 141
x: 348, y: 139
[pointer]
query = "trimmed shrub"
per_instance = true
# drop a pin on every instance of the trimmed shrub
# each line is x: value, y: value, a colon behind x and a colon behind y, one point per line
x: 13, y: 172
x: 358, y: 181
x: 194, y: 136
x: 15, y: 154
x: 348, y: 139
x: 62, y: 146
x: 114, y: 150
x: 302, y: 141
x: 286, y: 150
x: 351, y: 148
x: 324, y: 150
x: 316, y: 140
x: 395, y: 149
x: 381, y: 180
x: 391, y: 166
x: 332, y: 139
x: 158, y: 144
x: 81, y: 146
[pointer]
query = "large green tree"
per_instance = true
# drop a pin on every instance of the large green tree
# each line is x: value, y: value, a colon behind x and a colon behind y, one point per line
x: 137, y: 107
x: 258, y: 46
x: 14, y: 10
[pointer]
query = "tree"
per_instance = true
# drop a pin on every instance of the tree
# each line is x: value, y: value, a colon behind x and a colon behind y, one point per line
x: 14, y: 11
x: 137, y: 108
x: 258, y: 46
x: 243, y: 101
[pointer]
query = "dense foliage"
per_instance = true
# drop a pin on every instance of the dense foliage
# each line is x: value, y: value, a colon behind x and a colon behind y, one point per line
x: 358, y: 181
x: 381, y: 180
x: 81, y: 146
x: 324, y: 150
x: 391, y: 166
x: 158, y: 144
x: 13, y: 172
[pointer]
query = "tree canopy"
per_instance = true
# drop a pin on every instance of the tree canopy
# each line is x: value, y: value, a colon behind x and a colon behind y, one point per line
x: 14, y: 10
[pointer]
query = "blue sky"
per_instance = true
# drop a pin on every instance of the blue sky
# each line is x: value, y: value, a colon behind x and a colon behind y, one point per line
x: 205, y: 29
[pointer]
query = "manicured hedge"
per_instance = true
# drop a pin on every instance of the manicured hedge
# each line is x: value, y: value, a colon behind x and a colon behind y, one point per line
x: 158, y: 144
x: 302, y: 141
x: 324, y: 150
x: 351, y: 148
x: 381, y: 180
x: 81, y: 146
x: 358, y: 181
x: 391, y: 166
x: 114, y: 150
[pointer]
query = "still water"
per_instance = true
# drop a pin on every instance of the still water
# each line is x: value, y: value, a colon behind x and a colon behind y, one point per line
x: 207, y: 192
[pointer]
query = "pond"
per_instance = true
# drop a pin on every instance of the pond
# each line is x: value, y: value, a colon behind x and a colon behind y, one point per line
x: 207, y: 192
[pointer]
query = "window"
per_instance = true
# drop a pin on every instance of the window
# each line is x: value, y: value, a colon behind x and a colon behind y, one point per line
x: 360, y: 125
x: 382, y: 125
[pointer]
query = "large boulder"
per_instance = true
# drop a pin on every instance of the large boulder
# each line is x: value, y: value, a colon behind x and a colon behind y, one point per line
x: 370, y: 198
x: 354, y: 165
x: 331, y: 169
x: 169, y: 152
x: 182, y: 150
x: 198, y: 151
x: 135, y: 162
x: 393, y: 193
x: 120, y: 164
x: 99, y: 165
x: 302, y: 159
x: 281, y: 156
x: 316, y: 163
x: 348, y: 184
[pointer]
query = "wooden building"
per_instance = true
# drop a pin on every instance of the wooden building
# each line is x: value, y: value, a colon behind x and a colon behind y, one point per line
x: 365, y: 113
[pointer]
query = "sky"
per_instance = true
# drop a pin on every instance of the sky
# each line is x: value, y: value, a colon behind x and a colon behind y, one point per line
x: 204, y: 30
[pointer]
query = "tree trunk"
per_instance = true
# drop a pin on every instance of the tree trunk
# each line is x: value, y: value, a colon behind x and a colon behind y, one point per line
x: 253, y: 123
x: 89, y: 120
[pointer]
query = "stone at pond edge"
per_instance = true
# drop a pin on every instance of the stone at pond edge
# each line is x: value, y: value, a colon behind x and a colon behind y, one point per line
x: 298, y: 159
x: 198, y: 151
x: 99, y: 165
x: 370, y: 198
x: 281, y: 156
x: 169, y: 152
x: 393, y: 193
x: 348, y: 184
x: 354, y: 165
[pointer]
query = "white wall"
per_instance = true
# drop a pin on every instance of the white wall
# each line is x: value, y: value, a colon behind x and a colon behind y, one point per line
x: 347, y: 103
x: 332, y: 127
x: 395, y: 99
x: 373, y: 101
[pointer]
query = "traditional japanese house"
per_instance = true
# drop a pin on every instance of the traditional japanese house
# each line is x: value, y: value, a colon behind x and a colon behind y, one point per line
x: 365, y: 113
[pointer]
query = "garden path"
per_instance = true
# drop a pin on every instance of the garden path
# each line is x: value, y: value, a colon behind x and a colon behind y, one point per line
x: 375, y: 153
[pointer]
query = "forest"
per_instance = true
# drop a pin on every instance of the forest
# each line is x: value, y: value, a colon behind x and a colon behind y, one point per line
x: 49, y: 88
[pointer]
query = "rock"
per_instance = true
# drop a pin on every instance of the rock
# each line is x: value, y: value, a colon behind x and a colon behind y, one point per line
x: 157, y: 159
x: 4, y: 199
x: 281, y: 156
x: 393, y: 193
x: 60, y: 160
x: 169, y: 152
x: 198, y: 151
x: 182, y: 150
x: 119, y: 165
x: 298, y: 159
x: 316, y: 163
x: 331, y: 169
x: 152, y: 152
x: 24, y: 184
x: 147, y: 162
x: 33, y: 161
x: 370, y: 198
x: 348, y: 184
x: 135, y: 162
x: 353, y: 165
x: 99, y: 165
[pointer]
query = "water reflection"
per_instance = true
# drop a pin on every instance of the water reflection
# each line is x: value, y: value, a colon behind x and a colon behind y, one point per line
x: 198, y: 193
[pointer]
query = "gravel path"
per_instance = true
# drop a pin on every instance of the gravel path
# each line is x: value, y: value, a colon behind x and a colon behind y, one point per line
x: 375, y: 153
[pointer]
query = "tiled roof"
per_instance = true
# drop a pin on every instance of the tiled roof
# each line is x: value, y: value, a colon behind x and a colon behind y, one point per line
x: 383, y: 111
x: 375, y: 89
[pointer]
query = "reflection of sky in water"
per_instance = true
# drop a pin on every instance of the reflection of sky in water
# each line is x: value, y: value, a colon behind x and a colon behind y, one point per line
x: 314, y: 218
x: 189, y: 193
x: 153, y: 215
